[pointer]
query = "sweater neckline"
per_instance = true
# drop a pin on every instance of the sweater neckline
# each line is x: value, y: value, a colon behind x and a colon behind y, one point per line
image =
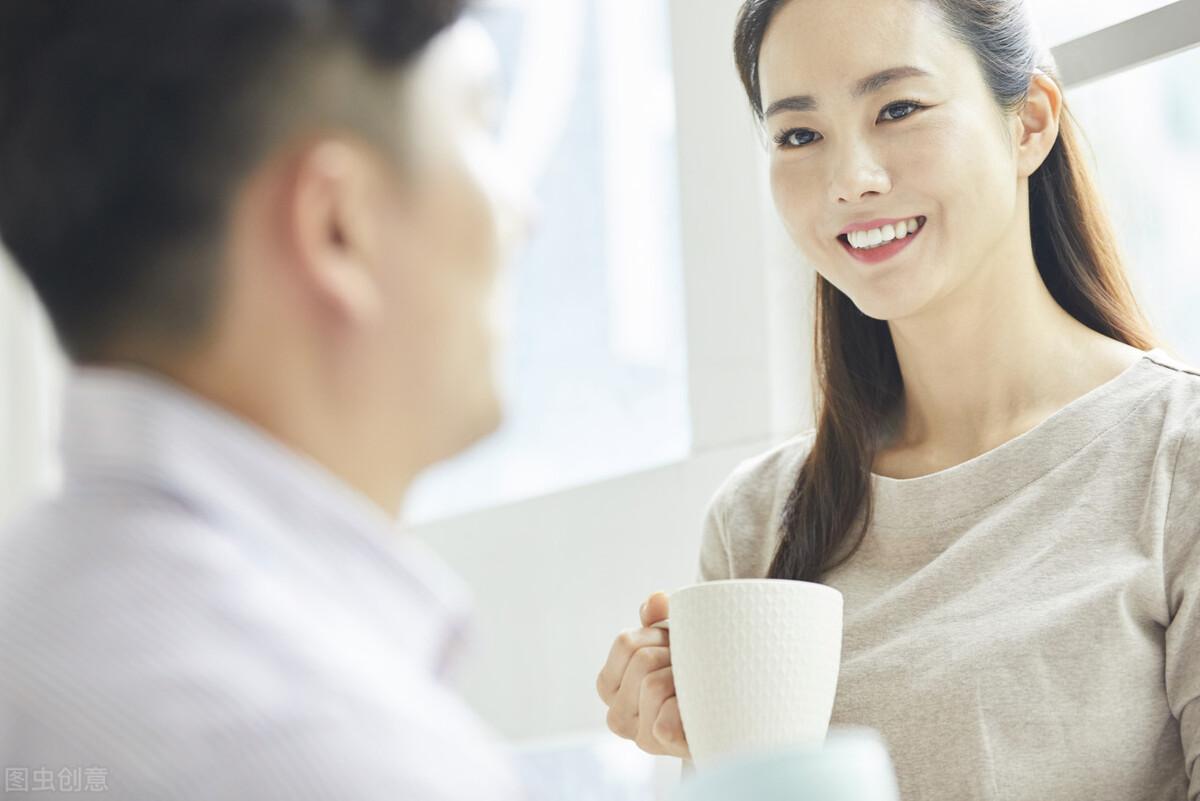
x: 988, y: 478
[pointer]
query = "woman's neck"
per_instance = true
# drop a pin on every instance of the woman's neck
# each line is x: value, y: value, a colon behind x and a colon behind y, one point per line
x: 989, y: 363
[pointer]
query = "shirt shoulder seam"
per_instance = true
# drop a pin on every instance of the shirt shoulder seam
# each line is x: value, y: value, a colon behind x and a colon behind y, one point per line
x: 1174, y: 365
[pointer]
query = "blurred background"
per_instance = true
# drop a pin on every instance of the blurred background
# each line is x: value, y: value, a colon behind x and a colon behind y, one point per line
x: 661, y: 330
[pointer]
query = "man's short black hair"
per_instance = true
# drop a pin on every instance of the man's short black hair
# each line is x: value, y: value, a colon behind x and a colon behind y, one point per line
x: 126, y: 125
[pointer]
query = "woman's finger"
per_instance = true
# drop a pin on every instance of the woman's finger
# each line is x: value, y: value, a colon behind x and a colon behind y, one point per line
x: 625, y: 707
x: 656, y: 608
x: 627, y: 643
x: 656, y: 688
x: 668, y: 729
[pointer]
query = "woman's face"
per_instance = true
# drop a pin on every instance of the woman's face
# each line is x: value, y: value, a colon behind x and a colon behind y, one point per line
x: 930, y: 146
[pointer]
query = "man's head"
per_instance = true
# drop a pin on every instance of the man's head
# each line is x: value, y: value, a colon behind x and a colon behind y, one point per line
x: 289, y: 204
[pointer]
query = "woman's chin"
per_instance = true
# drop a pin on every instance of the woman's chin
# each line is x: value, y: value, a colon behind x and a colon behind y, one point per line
x: 889, y: 306
x: 881, y: 309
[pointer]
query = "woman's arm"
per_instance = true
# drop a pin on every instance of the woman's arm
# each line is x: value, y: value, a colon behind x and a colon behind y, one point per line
x: 1181, y: 576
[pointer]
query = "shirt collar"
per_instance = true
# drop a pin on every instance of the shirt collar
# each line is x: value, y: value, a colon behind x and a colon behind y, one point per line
x: 127, y: 424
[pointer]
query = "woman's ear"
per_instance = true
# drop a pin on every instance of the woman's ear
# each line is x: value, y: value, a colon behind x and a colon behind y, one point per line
x: 1037, y: 130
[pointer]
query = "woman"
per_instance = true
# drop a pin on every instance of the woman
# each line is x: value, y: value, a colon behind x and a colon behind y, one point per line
x: 1004, y: 481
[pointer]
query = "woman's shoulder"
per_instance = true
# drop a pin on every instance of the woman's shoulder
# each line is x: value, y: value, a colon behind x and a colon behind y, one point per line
x: 1178, y: 399
x: 754, y: 494
x: 1178, y: 366
x: 1175, y: 418
x: 743, y: 524
x: 1182, y: 384
x: 765, y: 475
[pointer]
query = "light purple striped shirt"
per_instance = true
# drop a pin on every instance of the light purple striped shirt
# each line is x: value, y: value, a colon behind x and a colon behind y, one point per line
x: 203, y: 613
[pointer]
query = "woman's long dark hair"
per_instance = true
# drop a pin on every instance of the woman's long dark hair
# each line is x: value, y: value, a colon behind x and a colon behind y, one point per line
x: 857, y: 374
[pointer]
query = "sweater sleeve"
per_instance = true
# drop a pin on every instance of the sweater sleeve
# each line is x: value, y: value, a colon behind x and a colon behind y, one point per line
x: 1181, y: 576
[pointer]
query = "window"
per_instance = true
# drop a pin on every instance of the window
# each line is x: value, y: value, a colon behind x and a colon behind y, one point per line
x: 1062, y: 20
x: 1144, y: 129
x: 595, y: 379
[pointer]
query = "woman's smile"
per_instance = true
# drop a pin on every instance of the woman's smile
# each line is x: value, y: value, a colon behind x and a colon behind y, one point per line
x: 878, y: 245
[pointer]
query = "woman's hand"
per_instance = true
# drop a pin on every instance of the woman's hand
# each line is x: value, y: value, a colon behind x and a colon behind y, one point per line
x: 639, y: 688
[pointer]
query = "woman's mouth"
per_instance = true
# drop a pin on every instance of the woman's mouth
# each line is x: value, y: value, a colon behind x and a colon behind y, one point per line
x: 881, y: 244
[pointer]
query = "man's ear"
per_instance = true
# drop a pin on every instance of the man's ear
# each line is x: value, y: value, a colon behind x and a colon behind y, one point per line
x: 1037, y: 128
x: 330, y: 227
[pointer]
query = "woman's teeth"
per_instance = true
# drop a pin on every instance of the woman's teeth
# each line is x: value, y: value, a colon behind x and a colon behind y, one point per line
x: 865, y: 240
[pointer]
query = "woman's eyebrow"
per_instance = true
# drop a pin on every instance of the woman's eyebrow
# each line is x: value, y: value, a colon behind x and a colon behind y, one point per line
x: 869, y: 84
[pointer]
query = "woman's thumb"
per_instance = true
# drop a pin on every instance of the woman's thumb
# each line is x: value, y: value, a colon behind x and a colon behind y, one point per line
x: 656, y: 608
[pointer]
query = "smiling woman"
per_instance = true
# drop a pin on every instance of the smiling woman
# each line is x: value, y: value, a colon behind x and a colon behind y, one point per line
x: 1004, y: 476
x: 967, y: 136
x: 959, y: 369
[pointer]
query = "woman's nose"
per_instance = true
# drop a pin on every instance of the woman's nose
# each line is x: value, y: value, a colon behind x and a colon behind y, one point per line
x: 857, y: 172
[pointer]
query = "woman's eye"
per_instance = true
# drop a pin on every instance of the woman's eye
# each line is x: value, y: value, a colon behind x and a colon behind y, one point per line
x: 800, y: 137
x: 796, y: 137
x: 905, y: 104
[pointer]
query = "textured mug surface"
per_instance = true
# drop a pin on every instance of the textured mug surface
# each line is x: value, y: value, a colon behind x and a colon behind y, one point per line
x: 755, y: 663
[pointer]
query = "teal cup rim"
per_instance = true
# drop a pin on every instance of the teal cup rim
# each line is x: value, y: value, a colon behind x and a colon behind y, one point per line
x: 853, y: 763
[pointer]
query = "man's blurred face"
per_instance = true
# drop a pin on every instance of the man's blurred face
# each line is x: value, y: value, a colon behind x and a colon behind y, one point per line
x: 461, y: 215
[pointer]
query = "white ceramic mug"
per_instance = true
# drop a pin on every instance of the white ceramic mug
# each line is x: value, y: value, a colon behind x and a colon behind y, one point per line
x: 755, y: 663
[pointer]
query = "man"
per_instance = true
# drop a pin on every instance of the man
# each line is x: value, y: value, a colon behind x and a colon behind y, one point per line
x: 266, y: 232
